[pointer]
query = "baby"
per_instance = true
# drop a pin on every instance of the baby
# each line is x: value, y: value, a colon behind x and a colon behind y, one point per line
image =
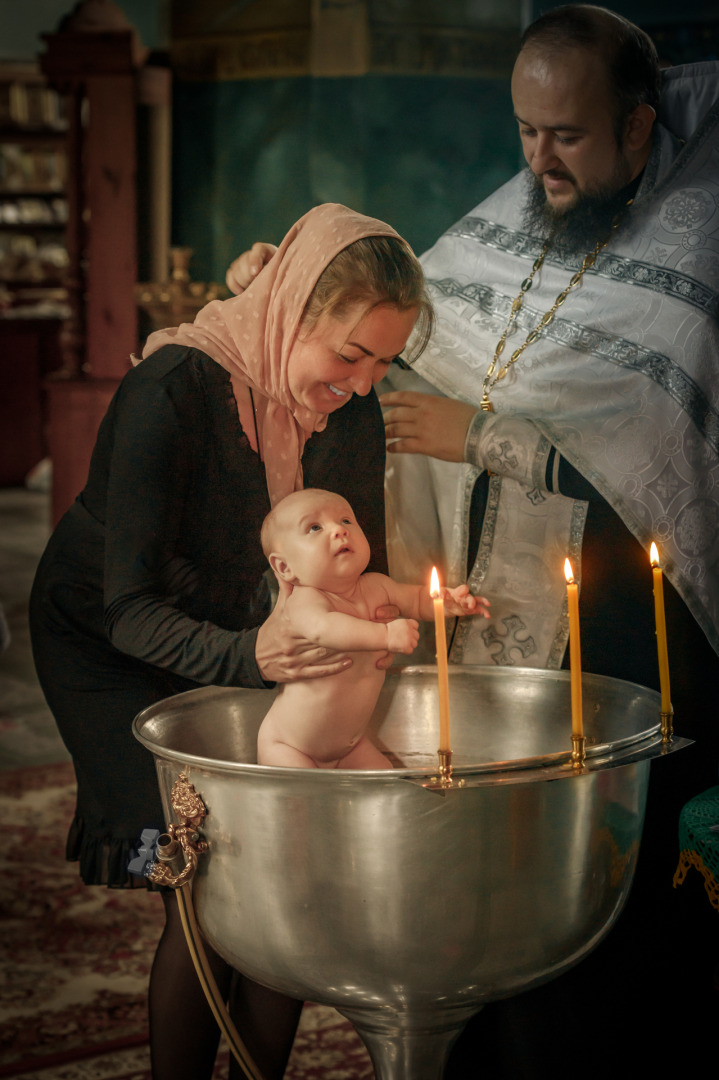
x: 314, y: 543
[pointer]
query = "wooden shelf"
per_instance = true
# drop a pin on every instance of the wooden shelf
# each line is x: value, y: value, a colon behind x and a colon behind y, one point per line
x: 33, y: 166
x: 32, y: 137
x: 32, y: 193
x: 32, y: 227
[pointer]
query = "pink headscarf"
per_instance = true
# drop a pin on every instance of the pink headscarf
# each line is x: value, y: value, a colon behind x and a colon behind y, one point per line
x: 251, y: 335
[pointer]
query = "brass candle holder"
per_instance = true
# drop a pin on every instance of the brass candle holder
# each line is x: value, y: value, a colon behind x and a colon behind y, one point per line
x: 579, y: 750
x: 667, y: 722
x: 177, y: 300
x: 445, y: 767
x: 444, y: 781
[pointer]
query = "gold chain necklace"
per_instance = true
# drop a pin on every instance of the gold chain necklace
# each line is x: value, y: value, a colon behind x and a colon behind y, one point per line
x: 490, y: 379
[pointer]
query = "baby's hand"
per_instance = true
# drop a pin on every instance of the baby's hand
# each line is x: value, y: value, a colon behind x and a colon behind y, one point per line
x: 402, y: 635
x: 460, y: 601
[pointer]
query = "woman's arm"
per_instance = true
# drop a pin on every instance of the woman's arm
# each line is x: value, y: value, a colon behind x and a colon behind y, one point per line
x: 154, y: 447
x: 153, y: 442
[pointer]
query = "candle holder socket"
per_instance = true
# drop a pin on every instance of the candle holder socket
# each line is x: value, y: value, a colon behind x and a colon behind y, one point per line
x: 579, y: 751
x: 667, y: 722
x: 445, y: 772
x: 445, y: 767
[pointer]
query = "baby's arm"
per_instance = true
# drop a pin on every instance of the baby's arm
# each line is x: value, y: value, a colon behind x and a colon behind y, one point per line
x: 415, y: 602
x: 311, y: 612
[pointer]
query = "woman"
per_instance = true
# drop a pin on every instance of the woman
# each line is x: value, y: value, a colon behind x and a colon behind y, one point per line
x: 153, y: 582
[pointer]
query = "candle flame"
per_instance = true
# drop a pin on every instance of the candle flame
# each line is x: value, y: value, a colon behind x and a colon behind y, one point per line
x: 568, y: 572
x: 653, y: 555
x: 434, y: 583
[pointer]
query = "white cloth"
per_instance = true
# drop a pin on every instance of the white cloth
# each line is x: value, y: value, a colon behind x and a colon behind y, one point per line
x: 623, y: 382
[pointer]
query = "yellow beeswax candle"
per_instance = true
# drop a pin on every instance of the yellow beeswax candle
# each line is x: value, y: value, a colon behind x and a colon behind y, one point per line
x: 661, y: 626
x: 442, y: 672
x: 575, y: 652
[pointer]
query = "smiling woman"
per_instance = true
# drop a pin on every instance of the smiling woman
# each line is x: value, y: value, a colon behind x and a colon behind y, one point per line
x: 153, y: 582
x: 348, y: 355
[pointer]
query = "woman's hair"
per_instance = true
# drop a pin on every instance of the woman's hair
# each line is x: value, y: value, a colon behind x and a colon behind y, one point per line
x: 371, y: 271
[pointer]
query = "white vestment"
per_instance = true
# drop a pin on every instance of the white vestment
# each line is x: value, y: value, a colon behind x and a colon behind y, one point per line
x: 624, y: 382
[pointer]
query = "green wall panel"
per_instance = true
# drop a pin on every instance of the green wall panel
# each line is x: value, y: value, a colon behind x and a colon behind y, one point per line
x: 250, y: 157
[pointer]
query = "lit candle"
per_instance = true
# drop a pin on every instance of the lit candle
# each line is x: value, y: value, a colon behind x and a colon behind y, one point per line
x: 661, y: 626
x: 442, y: 673
x: 575, y: 655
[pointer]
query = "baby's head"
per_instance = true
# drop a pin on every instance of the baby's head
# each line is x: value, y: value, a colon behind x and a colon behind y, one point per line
x: 312, y: 538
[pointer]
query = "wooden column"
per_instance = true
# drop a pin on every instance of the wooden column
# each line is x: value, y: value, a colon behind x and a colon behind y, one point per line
x: 99, y: 70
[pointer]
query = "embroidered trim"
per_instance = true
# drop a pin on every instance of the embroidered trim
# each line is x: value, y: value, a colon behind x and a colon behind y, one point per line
x: 481, y: 563
x: 539, y: 465
x: 617, y: 267
x: 471, y: 443
x: 616, y: 350
x: 576, y: 535
x: 486, y: 540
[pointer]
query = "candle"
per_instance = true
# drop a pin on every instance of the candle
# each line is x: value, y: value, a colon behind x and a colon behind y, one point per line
x: 442, y: 673
x: 575, y: 655
x: 662, y: 651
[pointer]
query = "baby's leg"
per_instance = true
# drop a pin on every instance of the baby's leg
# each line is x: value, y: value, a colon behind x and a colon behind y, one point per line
x: 364, y: 755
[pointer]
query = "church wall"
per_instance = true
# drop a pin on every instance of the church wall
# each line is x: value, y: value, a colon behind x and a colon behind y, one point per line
x: 251, y: 154
x: 415, y: 151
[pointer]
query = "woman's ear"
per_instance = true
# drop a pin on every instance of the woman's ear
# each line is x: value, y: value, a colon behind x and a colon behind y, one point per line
x: 281, y: 568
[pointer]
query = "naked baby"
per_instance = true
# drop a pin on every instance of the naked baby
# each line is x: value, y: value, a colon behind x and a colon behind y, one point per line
x: 313, y: 542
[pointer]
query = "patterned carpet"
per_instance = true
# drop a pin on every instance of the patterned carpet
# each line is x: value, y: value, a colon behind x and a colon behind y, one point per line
x: 75, y: 961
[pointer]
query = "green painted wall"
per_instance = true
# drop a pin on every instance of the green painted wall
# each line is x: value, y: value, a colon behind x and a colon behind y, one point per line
x: 250, y: 157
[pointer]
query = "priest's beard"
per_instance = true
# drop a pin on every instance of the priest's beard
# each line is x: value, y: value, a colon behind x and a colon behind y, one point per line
x: 576, y: 229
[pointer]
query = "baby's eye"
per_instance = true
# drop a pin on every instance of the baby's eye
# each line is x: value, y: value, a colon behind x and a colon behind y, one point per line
x: 315, y: 528
x: 346, y: 521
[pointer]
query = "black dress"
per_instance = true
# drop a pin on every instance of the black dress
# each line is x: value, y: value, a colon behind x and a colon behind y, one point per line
x: 152, y: 583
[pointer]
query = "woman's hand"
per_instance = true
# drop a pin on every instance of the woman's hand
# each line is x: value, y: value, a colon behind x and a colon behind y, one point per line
x: 425, y: 424
x: 284, y: 656
x: 459, y: 601
x: 245, y: 269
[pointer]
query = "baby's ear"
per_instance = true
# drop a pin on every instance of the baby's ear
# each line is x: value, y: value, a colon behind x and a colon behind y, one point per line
x: 281, y: 568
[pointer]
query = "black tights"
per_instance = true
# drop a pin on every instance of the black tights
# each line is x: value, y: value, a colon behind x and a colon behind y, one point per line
x: 183, y: 1032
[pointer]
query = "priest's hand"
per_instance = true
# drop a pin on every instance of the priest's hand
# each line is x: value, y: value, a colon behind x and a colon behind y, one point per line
x: 425, y: 424
x: 247, y: 266
x: 282, y: 655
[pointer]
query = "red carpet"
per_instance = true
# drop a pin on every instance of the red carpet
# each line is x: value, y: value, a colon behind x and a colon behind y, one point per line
x: 74, y: 961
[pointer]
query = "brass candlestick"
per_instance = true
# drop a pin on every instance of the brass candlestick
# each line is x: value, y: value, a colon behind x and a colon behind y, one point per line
x: 579, y: 751
x: 667, y: 720
x: 444, y: 781
x: 445, y: 767
x: 169, y: 303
